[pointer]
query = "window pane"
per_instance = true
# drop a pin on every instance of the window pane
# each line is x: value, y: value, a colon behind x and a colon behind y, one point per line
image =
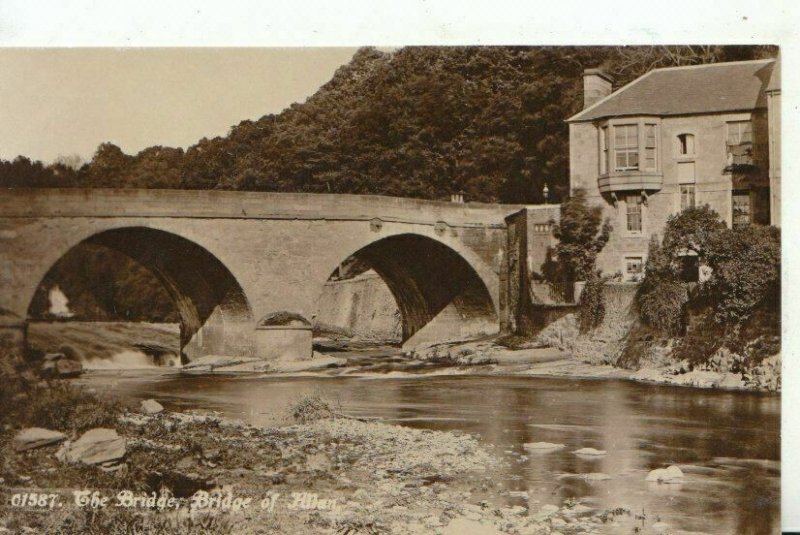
x: 626, y: 136
x: 746, y: 133
x: 619, y: 136
x: 650, y: 158
x: 633, y: 206
x: 633, y: 159
x: 740, y: 132
x: 650, y: 136
x: 686, y: 144
x: 687, y: 196
x: 633, y: 266
x: 741, y: 208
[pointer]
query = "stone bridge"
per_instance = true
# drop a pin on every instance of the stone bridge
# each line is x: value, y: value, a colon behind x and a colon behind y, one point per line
x: 229, y: 259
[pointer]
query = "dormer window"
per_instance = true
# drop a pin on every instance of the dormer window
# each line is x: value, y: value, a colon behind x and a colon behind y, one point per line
x: 686, y: 145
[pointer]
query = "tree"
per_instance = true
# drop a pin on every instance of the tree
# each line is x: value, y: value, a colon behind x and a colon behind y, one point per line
x: 581, y: 234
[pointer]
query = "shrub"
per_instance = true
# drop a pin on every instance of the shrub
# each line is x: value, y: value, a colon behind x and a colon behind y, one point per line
x: 580, y: 237
x: 311, y: 408
x: 746, y: 269
x: 662, y: 297
x: 592, y: 306
x: 59, y: 405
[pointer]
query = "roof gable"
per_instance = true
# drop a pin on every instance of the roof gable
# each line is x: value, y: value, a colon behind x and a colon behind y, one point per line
x: 710, y: 88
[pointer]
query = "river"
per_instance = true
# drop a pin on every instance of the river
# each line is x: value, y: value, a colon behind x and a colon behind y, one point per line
x: 727, y: 443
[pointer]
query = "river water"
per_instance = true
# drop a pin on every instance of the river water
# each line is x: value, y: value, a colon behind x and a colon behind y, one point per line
x: 727, y: 443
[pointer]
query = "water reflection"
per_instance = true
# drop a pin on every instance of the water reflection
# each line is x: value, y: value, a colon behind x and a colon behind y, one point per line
x: 727, y: 442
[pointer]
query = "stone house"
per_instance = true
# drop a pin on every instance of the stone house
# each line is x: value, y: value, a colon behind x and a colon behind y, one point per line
x: 676, y: 138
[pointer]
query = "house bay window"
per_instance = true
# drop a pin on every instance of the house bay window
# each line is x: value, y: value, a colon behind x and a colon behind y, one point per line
x: 629, y: 158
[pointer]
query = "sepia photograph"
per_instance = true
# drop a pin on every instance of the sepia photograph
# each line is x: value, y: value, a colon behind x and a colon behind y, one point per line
x: 445, y: 289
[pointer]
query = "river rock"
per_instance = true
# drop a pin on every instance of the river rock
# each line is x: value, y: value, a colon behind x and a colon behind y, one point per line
x: 590, y: 452
x: 673, y: 474
x: 68, y: 368
x: 151, y: 406
x: 35, y: 437
x: 58, y: 365
x: 99, y: 445
x: 543, y: 446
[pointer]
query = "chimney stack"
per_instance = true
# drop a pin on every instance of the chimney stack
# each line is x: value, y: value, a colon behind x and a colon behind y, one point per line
x: 596, y: 86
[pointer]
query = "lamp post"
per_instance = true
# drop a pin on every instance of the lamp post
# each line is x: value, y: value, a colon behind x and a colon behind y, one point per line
x: 545, y: 192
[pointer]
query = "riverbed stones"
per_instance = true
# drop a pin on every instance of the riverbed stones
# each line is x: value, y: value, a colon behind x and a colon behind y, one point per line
x: 673, y: 474
x: 36, y: 437
x: 151, y: 406
x: 96, y: 446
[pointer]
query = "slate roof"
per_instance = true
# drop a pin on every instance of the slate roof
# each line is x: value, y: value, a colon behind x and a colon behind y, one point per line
x: 710, y: 88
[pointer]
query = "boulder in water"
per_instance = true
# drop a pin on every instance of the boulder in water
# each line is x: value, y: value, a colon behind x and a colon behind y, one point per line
x: 96, y: 446
x: 57, y: 365
x: 36, y: 437
x: 68, y: 368
x: 673, y: 474
x: 590, y: 452
x: 542, y: 446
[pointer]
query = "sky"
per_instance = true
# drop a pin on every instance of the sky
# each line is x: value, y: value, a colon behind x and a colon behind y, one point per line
x: 66, y: 101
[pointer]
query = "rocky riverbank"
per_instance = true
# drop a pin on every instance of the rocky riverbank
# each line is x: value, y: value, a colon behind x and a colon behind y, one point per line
x: 154, y: 471
x: 591, y: 359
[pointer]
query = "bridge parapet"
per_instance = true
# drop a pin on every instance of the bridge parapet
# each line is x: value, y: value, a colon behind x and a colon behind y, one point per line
x: 75, y: 202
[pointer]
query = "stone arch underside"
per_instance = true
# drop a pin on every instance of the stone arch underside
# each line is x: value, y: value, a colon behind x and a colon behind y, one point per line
x: 430, y: 280
x: 214, y: 313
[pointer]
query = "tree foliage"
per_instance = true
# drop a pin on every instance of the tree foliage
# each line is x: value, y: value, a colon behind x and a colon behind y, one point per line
x: 662, y: 297
x: 581, y: 234
x: 745, y: 265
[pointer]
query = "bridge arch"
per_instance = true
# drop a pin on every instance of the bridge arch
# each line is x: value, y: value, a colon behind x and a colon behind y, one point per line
x: 215, y: 315
x: 435, y: 284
